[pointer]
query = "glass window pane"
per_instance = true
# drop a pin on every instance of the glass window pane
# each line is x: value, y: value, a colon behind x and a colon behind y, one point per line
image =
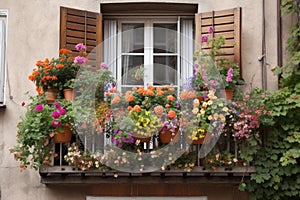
x: 165, y: 38
x: 132, y: 70
x: 133, y: 38
x: 165, y: 70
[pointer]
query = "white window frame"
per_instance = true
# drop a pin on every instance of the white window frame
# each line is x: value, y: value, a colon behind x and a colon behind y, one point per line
x: 148, y: 50
x: 3, y: 44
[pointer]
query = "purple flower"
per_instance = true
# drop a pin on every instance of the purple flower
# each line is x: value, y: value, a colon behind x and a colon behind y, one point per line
x: 80, y: 47
x: 211, y: 30
x: 56, y: 123
x: 104, y: 65
x: 204, y: 38
x: 57, y: 105
x: 62, y: 111
x: 79, y: 60
x: 55, y: 114
x: 39, y: 107
x: 229, y: 75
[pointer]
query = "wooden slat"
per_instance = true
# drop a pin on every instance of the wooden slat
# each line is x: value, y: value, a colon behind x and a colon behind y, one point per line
x: 226, y: 51
x: 81, y: 27
x: 220, y: 20
x: 72, y: 40
x: 81, y: 34
x: 219, y: 28
x: 228, y: 43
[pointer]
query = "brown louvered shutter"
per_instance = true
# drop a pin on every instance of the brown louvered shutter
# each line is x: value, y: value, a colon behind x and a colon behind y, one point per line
x: 226, y: 23
x: 78, y: 26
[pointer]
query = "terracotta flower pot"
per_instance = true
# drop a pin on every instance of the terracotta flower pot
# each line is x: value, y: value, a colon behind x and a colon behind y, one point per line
x: 64, y: 136
x: 229, y: 94
x: 51, y: 95
x: 168, y: 137
x: 141, y: 138
x: 69, y: 94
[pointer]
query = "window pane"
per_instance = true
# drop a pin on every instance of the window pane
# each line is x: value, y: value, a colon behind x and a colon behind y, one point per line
x: 165, y: 38
x: 165, y: 70
x: 132, y: 70
x: 133, y: 38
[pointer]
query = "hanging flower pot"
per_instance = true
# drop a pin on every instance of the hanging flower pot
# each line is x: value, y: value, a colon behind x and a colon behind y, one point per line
x: 51, y: 95
x: 69, y: 94
x: 63, y: 136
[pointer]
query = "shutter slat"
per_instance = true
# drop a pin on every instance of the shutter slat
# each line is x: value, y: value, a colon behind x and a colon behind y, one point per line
x: 228, y: 43
x: 81, y: 27
x: 217, y: 21
x: 218, y: 28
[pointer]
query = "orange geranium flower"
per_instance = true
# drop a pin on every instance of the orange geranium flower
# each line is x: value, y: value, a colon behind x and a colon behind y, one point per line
x: 170, y: 98
x: 141, y: 90
x: 171, y: 89
x: 191, y: 94
x: 39, y: 63
x: 149, y: 92
x: 167, y: 105
x: 137, y: 108
x: 184, y: 95
x: 129, y: 108
x: 160, y: 92
x: 171, y: 114
x: 59, y: 66
x: 150, y: 87
x: 64, y: 51
x: 112, y: 90
x: 129, y: 98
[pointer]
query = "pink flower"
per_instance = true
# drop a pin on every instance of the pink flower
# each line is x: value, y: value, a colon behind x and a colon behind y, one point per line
x: 204, y: 38
x: 62, y: 111
x: 211, y: 30
x: 79, y: 60
x: 196, y: 65
x: 39, y: 107
x: 229, y: 75
x: 55, y: 114
x: 80, y: 47
x: 56, y: 123
x: 57, y: 105
x: 104, y: 65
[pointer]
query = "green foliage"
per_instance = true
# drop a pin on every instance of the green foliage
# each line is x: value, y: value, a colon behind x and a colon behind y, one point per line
x: 277, y: 163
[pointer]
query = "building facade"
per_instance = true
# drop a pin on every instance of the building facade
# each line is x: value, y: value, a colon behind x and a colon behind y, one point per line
x: 32, y: 30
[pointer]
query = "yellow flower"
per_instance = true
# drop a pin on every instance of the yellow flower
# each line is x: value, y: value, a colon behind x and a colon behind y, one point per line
x: 210, y: 117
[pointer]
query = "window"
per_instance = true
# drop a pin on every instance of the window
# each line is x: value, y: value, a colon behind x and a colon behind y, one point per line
x: 149, y: 51
x: 3, y: 31
x: 144, y: 198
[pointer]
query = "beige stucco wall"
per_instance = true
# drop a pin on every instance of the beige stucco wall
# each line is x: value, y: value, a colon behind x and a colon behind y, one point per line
x: 33, y: 34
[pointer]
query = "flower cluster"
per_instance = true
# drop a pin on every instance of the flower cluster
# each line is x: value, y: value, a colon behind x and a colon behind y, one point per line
x: 209, y: 115
x: 120, y: 137
x: 151, y: 108
x: 57, y: 73
x: 247, y: 114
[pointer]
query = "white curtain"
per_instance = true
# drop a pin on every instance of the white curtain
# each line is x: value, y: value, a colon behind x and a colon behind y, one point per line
x: 187, y: 49
x: 2, y: 56
x: 110, y: 45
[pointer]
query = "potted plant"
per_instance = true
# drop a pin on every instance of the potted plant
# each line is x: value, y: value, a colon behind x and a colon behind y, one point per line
x: 37, y: 130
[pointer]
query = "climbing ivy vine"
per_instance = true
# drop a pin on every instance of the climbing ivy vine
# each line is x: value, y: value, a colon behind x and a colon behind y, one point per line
x: 278, y: 162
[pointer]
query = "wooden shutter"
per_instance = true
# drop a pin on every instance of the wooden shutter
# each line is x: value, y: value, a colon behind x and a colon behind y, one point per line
x: 226, y: 23
x: 78, y: 26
